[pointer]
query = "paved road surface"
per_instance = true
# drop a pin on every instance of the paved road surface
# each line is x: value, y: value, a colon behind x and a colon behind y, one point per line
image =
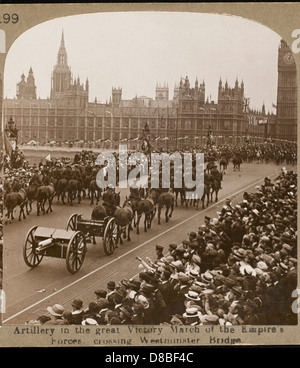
x: 30, y: 291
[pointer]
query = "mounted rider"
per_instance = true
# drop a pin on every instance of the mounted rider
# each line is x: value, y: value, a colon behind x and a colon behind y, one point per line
x: 109, y: 201
x: 67, y: 173
x: 36, y: 178
x: 76, y: 173
x: 135, y: 191
x: 57, y: 172
x: 216, y: 174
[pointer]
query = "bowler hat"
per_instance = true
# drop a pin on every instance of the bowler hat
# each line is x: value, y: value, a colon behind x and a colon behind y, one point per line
x: 172, y: 246
x: 111, y: 285
x: 77, y: 303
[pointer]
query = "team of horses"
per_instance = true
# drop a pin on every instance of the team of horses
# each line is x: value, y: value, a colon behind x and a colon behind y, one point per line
x: 147, y: 203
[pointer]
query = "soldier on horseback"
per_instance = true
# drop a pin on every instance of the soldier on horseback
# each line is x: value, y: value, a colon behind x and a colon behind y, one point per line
x: 36, y: 178
x: 216, y: 174
x: 57, y: 172
x: 76, y: 173
x: 109, y: 200
x: 67, y: 173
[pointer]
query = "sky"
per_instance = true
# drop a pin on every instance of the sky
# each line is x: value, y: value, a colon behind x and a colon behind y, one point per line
x: 137, y: 50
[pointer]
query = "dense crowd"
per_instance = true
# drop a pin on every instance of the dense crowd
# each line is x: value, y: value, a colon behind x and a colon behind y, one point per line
x: 238, y: 268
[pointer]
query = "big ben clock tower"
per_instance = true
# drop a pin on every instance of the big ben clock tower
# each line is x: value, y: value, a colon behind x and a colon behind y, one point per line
x: 286, y: 126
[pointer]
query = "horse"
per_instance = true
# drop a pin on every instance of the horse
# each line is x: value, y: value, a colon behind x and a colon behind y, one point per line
x: 209, y: 166
x: 74, y: 188
x: 124, y: 216
x: 145, y: 206
x: 180, y: 191
x: 236, y: 162
x: 94, y: 191
x: 111, y: 200
x: 61, y: 189
x: 215, y: 187
x: 135, y: 196
x: 206, y: 194
x: 155, y: 193
x: 223, y: 164
x: 30, y: 194
x: 166, y: 199
x: 44, y: 193
x: 14, y: 199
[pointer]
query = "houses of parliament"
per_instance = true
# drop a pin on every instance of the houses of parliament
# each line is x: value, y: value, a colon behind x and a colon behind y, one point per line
x: 68, y: 115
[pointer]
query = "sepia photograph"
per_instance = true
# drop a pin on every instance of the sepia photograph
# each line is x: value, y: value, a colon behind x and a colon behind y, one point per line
x: 149, y: 180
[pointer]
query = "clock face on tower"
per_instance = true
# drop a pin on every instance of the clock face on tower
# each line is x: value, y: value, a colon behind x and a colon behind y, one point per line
x: 288, y: 58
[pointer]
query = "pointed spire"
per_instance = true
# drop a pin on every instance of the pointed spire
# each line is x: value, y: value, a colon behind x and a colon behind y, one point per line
x: 62, y: 42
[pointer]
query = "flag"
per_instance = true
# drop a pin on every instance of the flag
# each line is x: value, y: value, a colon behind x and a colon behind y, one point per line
x: 263, y: 121
x: 8, y: 145
x: 48, y: 158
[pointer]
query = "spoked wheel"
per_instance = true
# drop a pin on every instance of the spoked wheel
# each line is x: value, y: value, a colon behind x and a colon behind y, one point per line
x: 110, y: 236
x: 72, y: 222
x: 31, y: 257
x: 76, y: 252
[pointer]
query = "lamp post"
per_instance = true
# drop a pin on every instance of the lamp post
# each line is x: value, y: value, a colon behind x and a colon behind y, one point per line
x: 111, y: 126
x: 176, y: 136
x: 12, y: 132
x: 202, y: 130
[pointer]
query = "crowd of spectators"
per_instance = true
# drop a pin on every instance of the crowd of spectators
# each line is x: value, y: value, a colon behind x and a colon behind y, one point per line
x: 238, y: 268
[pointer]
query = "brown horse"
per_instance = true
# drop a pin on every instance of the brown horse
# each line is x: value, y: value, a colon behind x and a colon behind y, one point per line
x: 145, y: 206
x: 44, y: 193
x: 30, y: 194
x: 124, y: 216
x: 166, y: 199
x: 215, y: 187
x: 73, y: 189
x: 14, y: 199
x: 61, y: 189
x: 94, y: 191
x: 223, y: 164
x: 206, y: 194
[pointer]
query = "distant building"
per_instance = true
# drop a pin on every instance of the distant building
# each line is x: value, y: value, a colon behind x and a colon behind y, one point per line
x: 68, y: 115
x: 26, y: 90
x: 287, y: 94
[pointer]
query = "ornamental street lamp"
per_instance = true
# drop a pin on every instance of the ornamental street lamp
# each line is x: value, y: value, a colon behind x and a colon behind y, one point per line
x: 12, y: 132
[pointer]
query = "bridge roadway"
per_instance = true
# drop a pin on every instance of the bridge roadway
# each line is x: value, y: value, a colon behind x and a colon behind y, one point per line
x: 30, y: 291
